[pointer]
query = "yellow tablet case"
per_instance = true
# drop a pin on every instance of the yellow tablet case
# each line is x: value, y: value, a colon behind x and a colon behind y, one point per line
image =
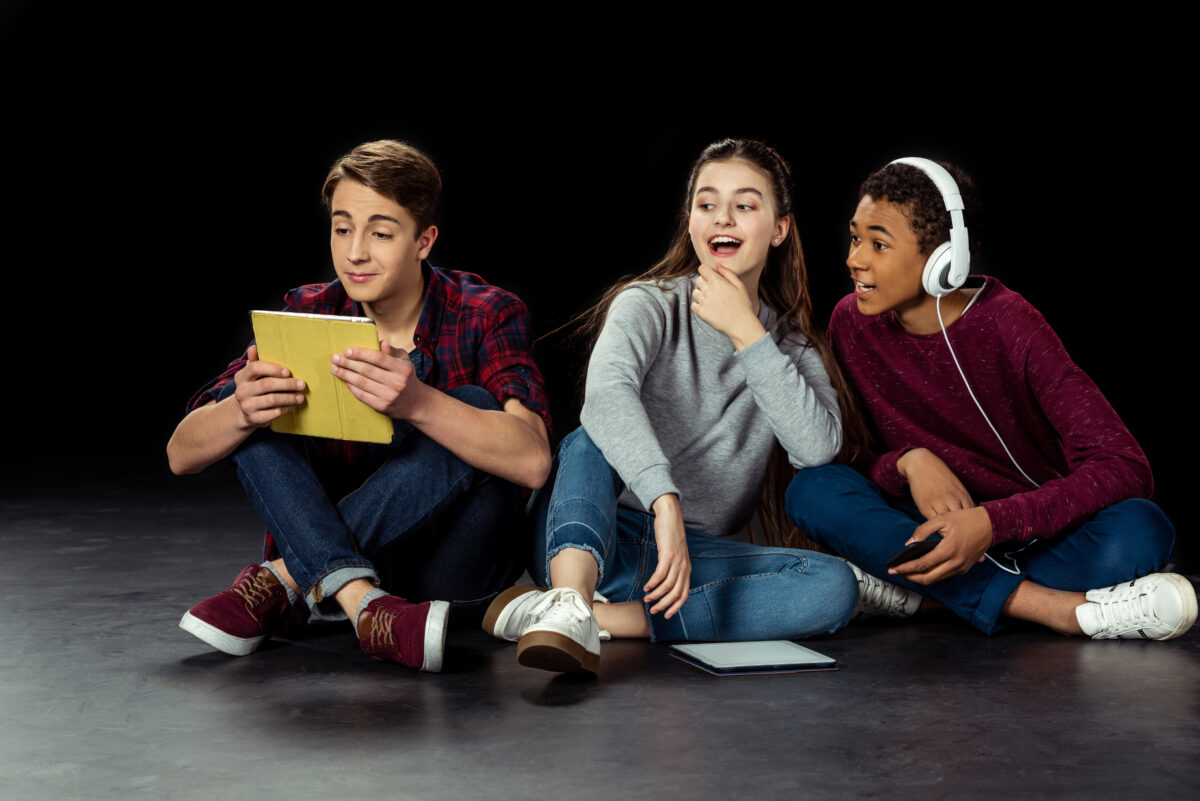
x: 303, y: 344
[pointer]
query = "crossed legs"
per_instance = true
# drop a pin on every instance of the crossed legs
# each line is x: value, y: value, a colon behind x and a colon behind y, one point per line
x: 1044, y: 583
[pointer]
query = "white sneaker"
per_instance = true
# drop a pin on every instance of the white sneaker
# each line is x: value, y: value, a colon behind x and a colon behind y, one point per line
x: 1159, y: 606
x: 882, y: 598
x: 508, y: 614
x: 562, y: 634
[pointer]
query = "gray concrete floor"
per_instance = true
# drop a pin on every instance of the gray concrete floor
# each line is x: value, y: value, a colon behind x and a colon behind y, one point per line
x: 102, y: 696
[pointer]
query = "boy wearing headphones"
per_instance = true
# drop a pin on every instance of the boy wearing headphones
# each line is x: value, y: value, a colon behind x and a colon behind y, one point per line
x: 432, y: 516
x: 991, y: 443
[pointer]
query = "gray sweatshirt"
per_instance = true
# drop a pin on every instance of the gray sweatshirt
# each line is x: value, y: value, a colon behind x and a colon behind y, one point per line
x: 674, y: 408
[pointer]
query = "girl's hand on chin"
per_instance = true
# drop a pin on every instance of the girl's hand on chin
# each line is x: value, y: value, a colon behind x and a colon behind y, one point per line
x: 720, y: 299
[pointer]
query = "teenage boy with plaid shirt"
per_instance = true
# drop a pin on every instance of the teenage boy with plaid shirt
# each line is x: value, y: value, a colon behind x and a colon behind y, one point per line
x: 433, y: 516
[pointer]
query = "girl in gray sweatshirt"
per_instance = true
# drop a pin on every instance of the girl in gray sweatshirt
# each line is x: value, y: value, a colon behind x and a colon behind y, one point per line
x: 704, y: 367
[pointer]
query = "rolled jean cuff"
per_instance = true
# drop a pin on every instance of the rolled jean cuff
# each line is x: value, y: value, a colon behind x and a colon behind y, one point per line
x: 555, y: 550
x: 578, y: 523
x: 328, y: 585
x: 986, y: 617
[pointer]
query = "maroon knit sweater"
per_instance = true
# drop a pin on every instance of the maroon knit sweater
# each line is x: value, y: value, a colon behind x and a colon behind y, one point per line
x: 1054, y: 419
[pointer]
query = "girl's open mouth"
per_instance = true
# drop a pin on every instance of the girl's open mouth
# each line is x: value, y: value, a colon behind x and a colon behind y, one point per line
x: 724, y: 245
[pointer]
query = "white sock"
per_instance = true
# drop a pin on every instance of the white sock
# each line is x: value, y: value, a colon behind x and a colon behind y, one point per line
x: 291, y: 594
x: 371, y: 595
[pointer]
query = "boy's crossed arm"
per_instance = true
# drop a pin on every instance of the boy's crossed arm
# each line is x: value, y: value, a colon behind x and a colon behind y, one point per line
x: 265, y: 391
x: 512, y: 444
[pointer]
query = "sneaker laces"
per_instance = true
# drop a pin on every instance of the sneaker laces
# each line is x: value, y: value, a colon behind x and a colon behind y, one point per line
x: 567, y: 600
x: 872, y: 594
x: 1133, y: 611
x: 879, y: 596
x: 381, y: 635
x: 254, y: 592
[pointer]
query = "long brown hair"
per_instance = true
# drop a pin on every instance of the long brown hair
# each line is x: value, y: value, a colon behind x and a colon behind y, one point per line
x: 783, y: 285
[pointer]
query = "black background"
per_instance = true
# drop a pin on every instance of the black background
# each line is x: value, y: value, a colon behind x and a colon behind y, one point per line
x: 164, y: 178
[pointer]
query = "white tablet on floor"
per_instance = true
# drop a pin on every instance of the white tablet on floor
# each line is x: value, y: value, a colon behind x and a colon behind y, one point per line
x: 762, y: 656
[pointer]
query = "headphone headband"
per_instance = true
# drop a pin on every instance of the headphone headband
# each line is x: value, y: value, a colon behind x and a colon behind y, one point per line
x: 948, y: 265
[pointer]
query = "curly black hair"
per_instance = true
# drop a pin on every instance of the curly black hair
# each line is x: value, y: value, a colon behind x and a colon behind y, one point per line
x: 915, y: 193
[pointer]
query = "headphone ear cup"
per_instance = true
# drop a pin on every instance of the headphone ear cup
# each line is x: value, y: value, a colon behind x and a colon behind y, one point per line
x: 936, y: 277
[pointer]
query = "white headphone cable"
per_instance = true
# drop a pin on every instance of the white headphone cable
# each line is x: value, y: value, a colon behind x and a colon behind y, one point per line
x: 987, y: 420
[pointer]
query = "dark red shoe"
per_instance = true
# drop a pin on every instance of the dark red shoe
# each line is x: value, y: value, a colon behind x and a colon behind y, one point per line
x: 411, y: 634
x: 241, y: 618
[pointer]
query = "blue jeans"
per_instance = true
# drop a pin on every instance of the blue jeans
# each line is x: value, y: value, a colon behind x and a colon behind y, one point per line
x: 738, y: 591
x: 415, y: 519
x: 845, y: 511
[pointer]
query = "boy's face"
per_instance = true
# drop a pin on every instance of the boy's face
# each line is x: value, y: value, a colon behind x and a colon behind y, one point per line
x: 377, y: 250
x: 885, y: 260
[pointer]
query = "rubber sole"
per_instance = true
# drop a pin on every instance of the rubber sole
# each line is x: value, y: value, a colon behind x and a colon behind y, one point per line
x: 222, y: 641
x: 1188, y: 595
x: 549, y: 650
x: 497, y: 615
x: 435, y: 636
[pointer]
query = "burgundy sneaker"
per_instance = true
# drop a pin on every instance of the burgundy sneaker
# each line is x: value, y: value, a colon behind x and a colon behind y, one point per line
x: 411, y: 634
x: 239, y: 619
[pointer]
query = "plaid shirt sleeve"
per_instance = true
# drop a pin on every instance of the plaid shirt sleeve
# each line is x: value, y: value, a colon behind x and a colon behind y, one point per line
x: 505, y: 358
x: 481, y: 336
x: 209, y: 391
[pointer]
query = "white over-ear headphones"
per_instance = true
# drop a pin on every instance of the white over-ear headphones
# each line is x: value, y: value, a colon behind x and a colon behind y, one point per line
x: 947, y: 267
